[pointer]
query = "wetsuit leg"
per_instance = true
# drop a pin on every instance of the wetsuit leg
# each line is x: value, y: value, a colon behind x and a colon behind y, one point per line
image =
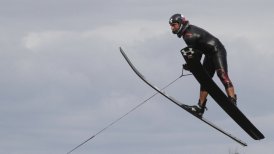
x: 220, y: 63
x: 209, y: 67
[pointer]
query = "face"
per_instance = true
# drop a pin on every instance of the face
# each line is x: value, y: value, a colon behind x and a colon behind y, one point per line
x: 174, y: 27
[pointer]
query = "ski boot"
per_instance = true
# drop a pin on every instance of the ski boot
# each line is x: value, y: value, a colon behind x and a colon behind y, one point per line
x: 233, y: 100
x: 198, y: 109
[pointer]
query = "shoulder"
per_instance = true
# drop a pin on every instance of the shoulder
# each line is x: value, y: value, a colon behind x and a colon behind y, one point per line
x: 192, y: 33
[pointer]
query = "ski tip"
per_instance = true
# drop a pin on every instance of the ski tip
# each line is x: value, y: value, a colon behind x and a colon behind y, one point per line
x: 121, y: 50
x: 260, y: 137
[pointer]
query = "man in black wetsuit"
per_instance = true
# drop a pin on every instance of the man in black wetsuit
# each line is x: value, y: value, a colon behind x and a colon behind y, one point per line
x: 215, y: 56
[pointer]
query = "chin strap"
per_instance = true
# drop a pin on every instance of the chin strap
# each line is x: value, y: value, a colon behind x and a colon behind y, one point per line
x: 182, y: 29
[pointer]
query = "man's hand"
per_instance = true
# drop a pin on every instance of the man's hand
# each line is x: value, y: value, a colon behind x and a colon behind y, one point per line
x: 186, y: 67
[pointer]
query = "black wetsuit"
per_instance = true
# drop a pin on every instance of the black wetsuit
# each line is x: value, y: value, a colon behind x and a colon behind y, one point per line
x: 214, y: 51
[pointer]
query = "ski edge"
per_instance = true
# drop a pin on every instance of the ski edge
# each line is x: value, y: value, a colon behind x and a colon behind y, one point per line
x: 177, y: 102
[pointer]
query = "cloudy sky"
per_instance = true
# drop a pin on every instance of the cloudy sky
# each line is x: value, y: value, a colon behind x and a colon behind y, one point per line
x: 63, y: 79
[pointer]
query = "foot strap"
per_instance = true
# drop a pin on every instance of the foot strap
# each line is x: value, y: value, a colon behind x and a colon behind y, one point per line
x: 233, y: 99
x: 202, y: 105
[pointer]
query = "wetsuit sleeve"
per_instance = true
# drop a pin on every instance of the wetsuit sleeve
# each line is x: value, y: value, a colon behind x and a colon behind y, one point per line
x: 192, y: 41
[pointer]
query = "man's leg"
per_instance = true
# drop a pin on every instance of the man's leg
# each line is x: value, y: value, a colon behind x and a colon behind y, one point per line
x: 202, y: 99
x: 220, y: 62
x: 201, y: 106
x: 209, y: 67
x: 223, y: 75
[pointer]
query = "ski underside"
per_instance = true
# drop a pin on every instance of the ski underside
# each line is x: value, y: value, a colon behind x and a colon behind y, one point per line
x: 192, y: 59
x: 184, y: 106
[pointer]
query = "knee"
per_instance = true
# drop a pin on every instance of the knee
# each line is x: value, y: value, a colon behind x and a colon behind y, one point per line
x: 222, y: 74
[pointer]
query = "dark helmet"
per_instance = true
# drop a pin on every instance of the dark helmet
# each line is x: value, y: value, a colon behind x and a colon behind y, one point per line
x: 181, y: 20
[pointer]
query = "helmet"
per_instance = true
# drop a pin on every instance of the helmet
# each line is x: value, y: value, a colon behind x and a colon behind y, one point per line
x: 180, y: 19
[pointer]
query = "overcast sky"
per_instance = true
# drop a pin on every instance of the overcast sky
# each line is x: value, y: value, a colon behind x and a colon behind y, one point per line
x: 63, y: 78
